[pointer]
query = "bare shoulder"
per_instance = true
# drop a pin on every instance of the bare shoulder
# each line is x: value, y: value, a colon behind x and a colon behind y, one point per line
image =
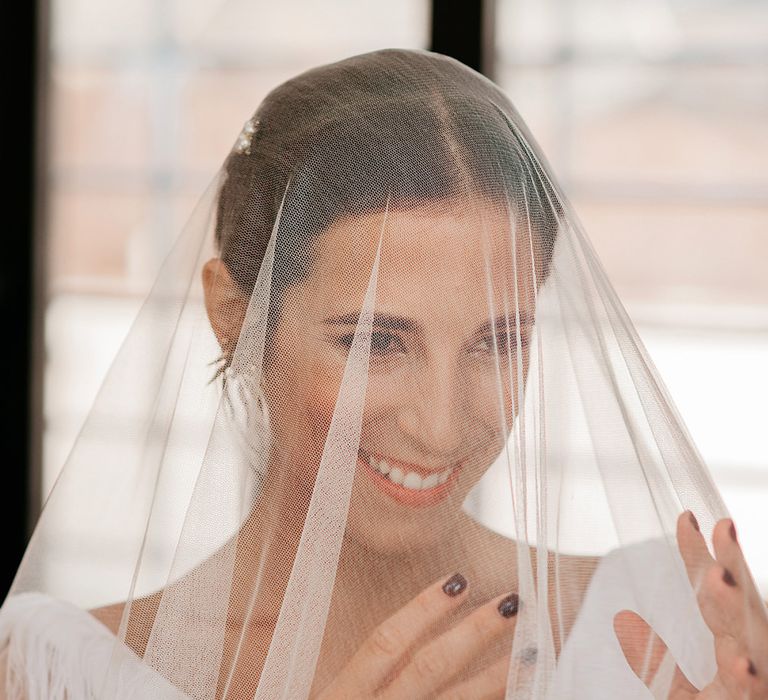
x: 494, y: 556
x: 109, y: 616
x: 506, y: 551
x: 139, y: 622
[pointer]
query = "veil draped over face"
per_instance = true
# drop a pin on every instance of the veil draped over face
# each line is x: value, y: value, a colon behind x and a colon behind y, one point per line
x: 381, y: 352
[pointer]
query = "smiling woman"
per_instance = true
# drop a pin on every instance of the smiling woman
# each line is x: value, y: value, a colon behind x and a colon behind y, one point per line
x: 401, y: 303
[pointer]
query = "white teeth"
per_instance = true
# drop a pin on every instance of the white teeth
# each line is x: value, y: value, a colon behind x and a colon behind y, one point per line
x: 379, y: 466
x: 412, y: 481
x: 409, y: 480
x: 431, y: 481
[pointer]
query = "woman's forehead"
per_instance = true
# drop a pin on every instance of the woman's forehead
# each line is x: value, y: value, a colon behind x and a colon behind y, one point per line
x: 458, y: 255
x: 470, y: 238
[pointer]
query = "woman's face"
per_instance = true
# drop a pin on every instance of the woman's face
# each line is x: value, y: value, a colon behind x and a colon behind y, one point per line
x: 441, y: 395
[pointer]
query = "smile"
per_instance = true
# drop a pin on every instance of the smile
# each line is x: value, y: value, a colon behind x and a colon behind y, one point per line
x: 406, y: 483
x: 408, y: 479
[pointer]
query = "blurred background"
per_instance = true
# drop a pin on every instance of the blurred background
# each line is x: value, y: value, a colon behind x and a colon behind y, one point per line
x: 653, y: 114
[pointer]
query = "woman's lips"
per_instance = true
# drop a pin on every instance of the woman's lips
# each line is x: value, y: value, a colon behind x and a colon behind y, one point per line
x: 401, y: 493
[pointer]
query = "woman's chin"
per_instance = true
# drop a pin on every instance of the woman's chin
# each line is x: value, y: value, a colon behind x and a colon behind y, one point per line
x: 381, y: 523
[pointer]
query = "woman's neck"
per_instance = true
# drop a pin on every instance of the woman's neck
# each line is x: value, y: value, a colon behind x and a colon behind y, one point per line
x: 270, y: 539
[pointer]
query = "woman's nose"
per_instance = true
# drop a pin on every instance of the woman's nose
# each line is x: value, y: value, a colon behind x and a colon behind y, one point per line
x: 432, y: 414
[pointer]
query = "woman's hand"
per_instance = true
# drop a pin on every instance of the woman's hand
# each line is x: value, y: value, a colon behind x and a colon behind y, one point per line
x: 730, y: 605
x: 396, y: 662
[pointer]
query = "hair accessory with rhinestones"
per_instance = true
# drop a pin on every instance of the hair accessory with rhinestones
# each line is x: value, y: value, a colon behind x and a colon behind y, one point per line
x: 243, y: 144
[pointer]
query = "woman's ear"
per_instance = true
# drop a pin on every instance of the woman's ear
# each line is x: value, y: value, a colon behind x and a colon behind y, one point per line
x: 225, y: 303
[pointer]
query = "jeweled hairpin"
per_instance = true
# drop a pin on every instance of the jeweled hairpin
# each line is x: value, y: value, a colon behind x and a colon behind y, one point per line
x: 243, y: 144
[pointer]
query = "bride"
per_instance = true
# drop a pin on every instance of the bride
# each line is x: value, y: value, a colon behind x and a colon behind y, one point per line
x: 414, y: 336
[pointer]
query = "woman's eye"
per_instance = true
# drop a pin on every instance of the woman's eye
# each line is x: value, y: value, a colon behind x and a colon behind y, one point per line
x: 385, y: 343
x: 504, y: 343
x: 381, y: 343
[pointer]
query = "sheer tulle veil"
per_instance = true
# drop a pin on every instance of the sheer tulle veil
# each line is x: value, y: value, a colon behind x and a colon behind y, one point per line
x: 381, y: 352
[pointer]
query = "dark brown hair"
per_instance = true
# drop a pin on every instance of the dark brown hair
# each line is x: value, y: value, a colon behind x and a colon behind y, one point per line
x: 343, y: 139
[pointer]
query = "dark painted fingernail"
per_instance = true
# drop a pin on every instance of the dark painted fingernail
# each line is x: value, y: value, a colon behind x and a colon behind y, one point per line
x: 732, y: 531
x: 454, y: 585
x: 751, y: 668
x: 529, y: 655
x: 728, y: 578
x: 509, y: 605
x: 693, y: 520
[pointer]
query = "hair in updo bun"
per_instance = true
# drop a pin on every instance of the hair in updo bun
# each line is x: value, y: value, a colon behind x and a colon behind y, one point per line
x: 402, y: 126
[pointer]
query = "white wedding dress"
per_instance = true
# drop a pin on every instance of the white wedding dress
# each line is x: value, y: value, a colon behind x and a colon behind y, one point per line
x: 40, y: 633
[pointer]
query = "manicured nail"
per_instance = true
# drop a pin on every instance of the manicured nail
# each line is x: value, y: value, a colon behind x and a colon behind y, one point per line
x: 751, y: 668
x: 728, y: 578
x: 509, y: 605
x: 454, y: 585
x: 732, y: 531
x: 693, y: 520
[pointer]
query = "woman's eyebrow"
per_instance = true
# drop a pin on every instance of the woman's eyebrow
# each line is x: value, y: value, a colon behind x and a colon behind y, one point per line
x: 408, y: 325
x: 397, y: 323
x: 501, y: 323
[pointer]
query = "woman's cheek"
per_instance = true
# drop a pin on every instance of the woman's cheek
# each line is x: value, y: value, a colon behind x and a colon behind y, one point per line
x: 322, y: 401
x: 484, y: 386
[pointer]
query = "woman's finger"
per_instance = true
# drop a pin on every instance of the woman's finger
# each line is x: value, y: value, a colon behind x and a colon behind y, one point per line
x: 745, y: 605
x: 714, y: 586
x: 693, y: 548
x: 722, y: 603
x: 731, y: 606
x: 438, y: 661
x: 733, y: 674
x: 751, y: 684
x: 489, y: 684
x: 383, y: 650
x: 730, y: 556
x: 645, y: 652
